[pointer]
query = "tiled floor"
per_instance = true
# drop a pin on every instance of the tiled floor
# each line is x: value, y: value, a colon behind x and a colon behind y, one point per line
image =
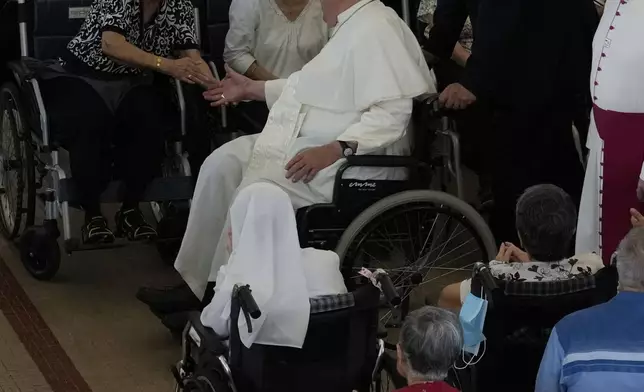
x: 93, y: 335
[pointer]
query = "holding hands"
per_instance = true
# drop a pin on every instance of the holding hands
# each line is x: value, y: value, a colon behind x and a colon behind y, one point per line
x: 511, y: 253
x: 187, y: 70
x: 232, y: 90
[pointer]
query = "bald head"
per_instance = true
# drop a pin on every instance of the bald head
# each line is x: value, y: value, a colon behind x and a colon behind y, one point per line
x: 332, y: 8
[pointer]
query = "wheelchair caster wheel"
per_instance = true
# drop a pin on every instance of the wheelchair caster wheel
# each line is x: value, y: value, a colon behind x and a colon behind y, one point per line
x: 40, y: 253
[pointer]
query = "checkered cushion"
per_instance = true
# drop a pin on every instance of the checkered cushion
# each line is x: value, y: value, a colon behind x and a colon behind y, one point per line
x: 328, y: 303
x: 550, y: 288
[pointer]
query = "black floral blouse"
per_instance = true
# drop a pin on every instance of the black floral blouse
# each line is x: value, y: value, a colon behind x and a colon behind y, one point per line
x: 172, y: 29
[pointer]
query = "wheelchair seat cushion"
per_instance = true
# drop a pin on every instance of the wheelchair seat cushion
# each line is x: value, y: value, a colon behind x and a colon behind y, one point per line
x: 550, y: 288
x: 329, y: 303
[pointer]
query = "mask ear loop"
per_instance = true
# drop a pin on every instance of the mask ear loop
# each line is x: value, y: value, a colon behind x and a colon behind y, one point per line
x: 478, y: 358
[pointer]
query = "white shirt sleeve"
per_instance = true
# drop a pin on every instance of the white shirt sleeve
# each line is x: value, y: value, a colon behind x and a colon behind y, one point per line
x: 272, y: 90
x: 240, y: 40
x: 642, y: 173
x: 380, y: 126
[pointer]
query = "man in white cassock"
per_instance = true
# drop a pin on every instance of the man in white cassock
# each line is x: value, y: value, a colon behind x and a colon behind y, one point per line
x: 616, y: 136
x: 355, y: 97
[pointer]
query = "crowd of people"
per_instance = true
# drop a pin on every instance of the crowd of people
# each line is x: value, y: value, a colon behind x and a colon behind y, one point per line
x: 338, y: 78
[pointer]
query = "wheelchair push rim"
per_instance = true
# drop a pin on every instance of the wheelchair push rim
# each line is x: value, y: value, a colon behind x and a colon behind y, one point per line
x: 420, y: 238
x: 14, y: 162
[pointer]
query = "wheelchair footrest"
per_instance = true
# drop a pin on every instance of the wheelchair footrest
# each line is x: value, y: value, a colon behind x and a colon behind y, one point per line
x: 160, y: 189
x: 76, y: 245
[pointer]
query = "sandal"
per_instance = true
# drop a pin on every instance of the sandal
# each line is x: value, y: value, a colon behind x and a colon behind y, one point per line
x: 131, y: 224
x: 95, y: 231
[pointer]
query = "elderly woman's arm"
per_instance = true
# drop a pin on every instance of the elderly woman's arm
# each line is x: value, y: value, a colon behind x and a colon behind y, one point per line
x: 116, y: 46
x: 240, y: 40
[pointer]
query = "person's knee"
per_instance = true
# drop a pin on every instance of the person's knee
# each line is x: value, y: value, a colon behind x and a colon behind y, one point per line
x: 225, y: 159
x: 450, y: 297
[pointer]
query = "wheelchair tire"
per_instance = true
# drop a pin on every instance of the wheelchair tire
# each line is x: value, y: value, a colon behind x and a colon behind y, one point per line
x: 40, y: 253
x: 15, y: 143
x: 405, y: 275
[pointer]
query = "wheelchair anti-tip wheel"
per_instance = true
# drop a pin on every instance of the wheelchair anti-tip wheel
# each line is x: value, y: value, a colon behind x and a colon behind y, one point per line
x: 17, y: 172
x: 40, y: 253
x: 419, y: 238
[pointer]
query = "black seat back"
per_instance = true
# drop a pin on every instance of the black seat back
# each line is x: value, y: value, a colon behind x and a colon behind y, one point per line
x: 55, y: 23
x: 517, y: 329
x: 217, y: 28
x: 338, y: 354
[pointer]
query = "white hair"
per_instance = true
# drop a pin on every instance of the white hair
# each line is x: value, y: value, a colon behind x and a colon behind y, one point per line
x: 431, y: 340
x: 630, y: 261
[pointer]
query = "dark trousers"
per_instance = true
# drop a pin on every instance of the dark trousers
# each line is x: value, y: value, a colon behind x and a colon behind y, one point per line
x: 102, y: 145
x: 531, y: 148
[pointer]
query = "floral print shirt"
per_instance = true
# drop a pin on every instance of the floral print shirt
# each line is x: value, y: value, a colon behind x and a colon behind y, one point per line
x: 426, y: 15
x: 538, y: 271
x: 172, y: 29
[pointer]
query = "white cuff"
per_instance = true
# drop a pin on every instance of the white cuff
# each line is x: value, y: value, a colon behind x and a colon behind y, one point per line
x: 642, y: 173
x: 272, y: 91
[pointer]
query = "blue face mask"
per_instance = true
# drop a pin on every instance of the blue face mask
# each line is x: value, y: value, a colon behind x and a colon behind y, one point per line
x: 472, y: 319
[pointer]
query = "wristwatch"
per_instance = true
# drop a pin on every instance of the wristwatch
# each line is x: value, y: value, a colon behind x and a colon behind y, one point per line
x: 347, y: 150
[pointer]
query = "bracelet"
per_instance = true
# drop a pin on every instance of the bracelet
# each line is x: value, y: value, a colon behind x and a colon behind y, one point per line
x: 158, y: 62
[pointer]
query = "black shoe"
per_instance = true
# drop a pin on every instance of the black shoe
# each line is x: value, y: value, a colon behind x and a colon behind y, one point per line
x: 131, y: 224
x: 95, y: 231
x: 169, y: 300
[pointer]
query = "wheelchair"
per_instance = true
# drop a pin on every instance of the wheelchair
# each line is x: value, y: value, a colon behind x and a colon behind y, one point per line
x: 342, y: 350
x: 518, y: 323
x: 30, y: 166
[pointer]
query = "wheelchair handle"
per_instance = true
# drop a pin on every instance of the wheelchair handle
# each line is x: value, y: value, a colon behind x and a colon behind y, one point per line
x: 247, y: 302
x: 482, y: 270
x: 388, y: 289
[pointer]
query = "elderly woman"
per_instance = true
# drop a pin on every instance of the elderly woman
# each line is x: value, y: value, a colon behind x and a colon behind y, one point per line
x: 430, y: 343
x: 102, y: 94
x: 271, y: 39
x: 546, y: 220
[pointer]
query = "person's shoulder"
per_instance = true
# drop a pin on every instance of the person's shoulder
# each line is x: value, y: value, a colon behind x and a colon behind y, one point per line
x: 580, y: 320
x: 587, y: 262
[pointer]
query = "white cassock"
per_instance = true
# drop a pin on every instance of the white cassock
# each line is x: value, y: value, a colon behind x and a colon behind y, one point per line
x: 266, y: 255
x: 359, y: 88
x: 616, y: 136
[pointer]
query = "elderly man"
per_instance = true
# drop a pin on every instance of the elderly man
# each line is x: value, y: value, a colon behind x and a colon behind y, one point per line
x: 616, y: 136
x: 529, y: 68
x: 355, y: 97
x: 431, y: 340
x: 602, y: 348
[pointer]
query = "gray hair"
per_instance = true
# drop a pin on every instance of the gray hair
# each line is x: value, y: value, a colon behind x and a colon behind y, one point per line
x: 546, y: 219
x: 431, y: 340
x: 630, y: 261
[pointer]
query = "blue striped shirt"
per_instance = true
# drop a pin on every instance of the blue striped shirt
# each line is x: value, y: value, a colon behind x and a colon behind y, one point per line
x: 599, y: 349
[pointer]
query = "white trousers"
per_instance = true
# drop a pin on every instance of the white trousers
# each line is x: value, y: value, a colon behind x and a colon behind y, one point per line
x: 203, y: 250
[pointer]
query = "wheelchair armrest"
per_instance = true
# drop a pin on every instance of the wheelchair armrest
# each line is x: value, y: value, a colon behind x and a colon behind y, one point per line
x: 380, y: 161
x: 25, y: 69
x: 208, y: 337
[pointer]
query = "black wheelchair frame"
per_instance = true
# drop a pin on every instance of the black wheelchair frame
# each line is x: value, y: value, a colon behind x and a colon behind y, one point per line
x: 39, y: 155
x: 517, y: 328
x: 342, y: 350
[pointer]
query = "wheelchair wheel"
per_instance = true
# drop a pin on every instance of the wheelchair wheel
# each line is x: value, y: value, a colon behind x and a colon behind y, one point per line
x: 17, y: 169
x: 40, y: 253
x: 424, y: 239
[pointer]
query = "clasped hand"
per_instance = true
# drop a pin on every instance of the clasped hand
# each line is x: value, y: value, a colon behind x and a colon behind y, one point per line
x: 511, y: 253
